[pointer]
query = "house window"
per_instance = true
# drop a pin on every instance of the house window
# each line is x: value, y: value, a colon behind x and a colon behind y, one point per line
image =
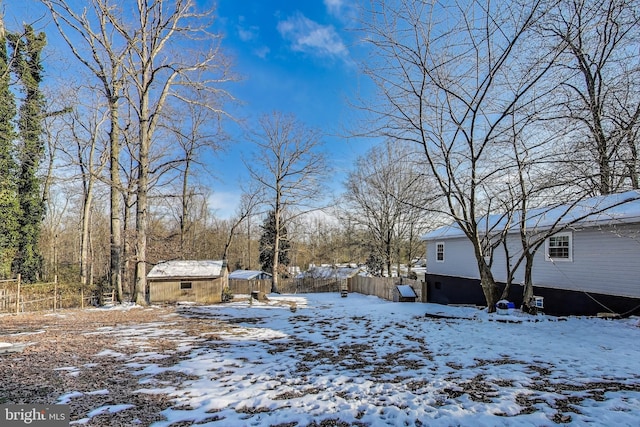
x: 559, y: 247
x: 185, y: 285
x: 440, y: 252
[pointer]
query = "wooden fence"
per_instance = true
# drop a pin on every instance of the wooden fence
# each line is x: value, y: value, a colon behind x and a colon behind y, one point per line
x: 383, y: 287
x: 245, y: 287
x: 17, y: 297
x: 287, y: 286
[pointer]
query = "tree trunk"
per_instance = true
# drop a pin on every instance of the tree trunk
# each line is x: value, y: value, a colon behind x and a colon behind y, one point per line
x: 86, y: 226
x: 142, y: 192
x: 527, y: 296
x: 115, y: 268
x: 488, y: 284
x: 276, y: 252
x: 141, y: 216
x: 140, y: 279
x: 185, y: 211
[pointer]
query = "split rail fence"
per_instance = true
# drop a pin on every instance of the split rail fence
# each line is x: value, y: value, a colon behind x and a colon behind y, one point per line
x: 17, y: 297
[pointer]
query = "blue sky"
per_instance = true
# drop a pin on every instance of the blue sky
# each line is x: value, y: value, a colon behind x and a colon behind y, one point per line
x: 299, y: 57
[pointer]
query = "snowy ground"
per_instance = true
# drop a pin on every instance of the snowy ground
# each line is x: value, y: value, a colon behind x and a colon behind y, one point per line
x: 364, y: 361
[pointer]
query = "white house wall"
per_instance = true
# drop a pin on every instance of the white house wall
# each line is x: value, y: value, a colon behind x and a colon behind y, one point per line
x: 459, y: 259
x: 605, y: 261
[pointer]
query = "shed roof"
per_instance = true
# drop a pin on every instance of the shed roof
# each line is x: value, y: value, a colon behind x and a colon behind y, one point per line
x: 247, y: 274
x: 595, y: 211
x: 406, y: 291
x: 187, y: 268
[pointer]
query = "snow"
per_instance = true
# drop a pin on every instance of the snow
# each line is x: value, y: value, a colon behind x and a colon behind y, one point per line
x: 111, y: 409
x: 594, y: 211
x: 187, y: 268
x: 366, y: 361
x: 406, y: 291
x: 329, y: 272
x: 247, y: 274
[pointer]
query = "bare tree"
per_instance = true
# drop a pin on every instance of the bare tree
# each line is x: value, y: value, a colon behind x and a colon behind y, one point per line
x: 144, y: 52
x: 89, y: 153
x: 249, y: 201
x: 195, y: 130
x: 90, y: 36
x: 289, y: 167
x: 159, y: 64
x: 450, y: 75
x: 389, y: 195
x: 600, y: 87
x: 530, y: 215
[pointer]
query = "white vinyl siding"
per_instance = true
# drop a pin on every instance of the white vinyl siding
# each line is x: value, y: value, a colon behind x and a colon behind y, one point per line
x: 605, y: 260
x: 458, y: 255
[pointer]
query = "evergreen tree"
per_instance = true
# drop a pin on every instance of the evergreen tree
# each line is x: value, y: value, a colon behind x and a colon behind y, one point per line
x: 375, y: 265
x: 27, y: 65
x: 267, y: 244
x: 9, y: 206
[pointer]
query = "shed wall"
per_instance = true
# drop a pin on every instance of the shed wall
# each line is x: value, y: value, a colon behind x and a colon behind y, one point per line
x: 240, y: 286
x: 202, y: 290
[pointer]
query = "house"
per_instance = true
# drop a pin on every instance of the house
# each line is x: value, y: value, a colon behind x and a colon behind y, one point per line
x: 591, y: 265
x: 188, y: 280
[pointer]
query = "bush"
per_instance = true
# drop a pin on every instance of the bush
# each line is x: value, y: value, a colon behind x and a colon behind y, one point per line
x: 227, y: 295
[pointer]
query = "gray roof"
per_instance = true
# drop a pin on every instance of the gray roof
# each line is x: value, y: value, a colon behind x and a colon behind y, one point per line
x: 596, y: 211
x: 247, y: 274
x: 406, y: 291
x: 187, y: 268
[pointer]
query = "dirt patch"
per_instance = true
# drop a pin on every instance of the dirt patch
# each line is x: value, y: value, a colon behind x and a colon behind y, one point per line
x: 63, y: 359
x: 90, y: 359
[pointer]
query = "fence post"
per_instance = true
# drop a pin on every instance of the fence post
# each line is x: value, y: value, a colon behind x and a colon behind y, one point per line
x: 18, y: 296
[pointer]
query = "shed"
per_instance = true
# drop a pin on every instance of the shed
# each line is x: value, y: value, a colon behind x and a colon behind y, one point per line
x: 249, y: 275
x: 404, y: 293
x: 188, y: 280
x: 247, y: 281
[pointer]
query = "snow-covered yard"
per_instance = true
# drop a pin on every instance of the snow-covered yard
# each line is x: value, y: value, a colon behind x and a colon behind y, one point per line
x: 364, y: 361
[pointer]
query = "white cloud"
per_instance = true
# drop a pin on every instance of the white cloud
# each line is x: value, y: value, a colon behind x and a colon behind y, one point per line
x: 310, y: 37
x: 334, y: 7
x: 262, y: 52
x: 224, y: 203
x: 247, y: 34
x: 251, y: 34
